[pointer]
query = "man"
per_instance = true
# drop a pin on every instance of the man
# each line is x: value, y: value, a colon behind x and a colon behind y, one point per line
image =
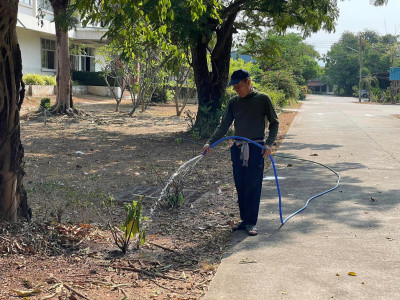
x: 248, y: 110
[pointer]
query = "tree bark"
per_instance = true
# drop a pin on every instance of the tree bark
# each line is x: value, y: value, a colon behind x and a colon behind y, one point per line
x: 211, y: 85
x: 64, y: 104
x: 13, y: 199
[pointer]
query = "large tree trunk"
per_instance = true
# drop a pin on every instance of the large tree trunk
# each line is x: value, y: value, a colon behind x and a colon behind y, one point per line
x: 64, y: 102
x: 211, y: 85
x: 13, y: 199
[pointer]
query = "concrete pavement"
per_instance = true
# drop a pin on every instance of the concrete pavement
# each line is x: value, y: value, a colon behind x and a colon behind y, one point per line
x: 355, y: 228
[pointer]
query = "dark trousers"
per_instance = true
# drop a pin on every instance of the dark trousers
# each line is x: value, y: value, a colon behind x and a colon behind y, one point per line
x: 248, y: 182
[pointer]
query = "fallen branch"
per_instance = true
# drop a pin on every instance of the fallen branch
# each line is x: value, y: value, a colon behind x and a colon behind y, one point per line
x: 173, y: 251
x: 163, y: 287
x: 148, y: 273
x: 76, y: 292
x: 123, y: 292
x: 72, y: 289
x: 118, y: 286
x: 87, y: 237
x: 164, y: 248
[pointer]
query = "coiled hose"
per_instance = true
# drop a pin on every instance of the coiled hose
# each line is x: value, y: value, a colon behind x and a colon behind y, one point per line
x: 283, y: 221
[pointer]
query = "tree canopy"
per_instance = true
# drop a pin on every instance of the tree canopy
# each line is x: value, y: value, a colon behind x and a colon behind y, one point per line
x: 206, y: 28
x: 283, y: 52
x: 378, y: 54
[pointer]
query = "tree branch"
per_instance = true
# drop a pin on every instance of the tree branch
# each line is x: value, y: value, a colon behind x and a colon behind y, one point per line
x: 234, y: 8
x: 223, y: 34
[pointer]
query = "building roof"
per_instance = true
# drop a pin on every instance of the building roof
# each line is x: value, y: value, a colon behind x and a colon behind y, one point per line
x: 394, y: 74
x: 317, y: 82
x: 314, y: 83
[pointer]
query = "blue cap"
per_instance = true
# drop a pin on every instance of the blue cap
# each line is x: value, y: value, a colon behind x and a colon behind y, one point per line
x: 238, y: 76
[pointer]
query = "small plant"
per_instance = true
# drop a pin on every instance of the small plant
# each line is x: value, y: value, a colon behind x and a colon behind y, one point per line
x: 51, y: 210
x: 191, y: 117
x: 175, y: 200
x: 132, y: 226
x: 302, y: 96
x: 195, y: 134
x: 45, y: 103
x: 175, y: 197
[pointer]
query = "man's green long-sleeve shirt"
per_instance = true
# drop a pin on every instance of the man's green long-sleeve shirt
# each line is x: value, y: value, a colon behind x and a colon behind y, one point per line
x: 249, y: 115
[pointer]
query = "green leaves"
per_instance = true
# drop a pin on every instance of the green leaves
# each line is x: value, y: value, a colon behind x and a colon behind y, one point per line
x: 133, y: 219
x: 131, y: 228
x: 283, y: 52
x: 342, y: 61
x: 162, y: 29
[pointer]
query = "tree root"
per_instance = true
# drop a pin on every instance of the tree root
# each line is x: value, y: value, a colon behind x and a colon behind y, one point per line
x: 63, y: 111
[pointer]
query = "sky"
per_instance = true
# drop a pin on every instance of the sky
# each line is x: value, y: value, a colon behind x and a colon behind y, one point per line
x: 356, y: 16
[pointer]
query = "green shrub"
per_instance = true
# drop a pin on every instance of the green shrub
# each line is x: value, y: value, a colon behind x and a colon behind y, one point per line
x: 49, y: 80
x: 45, y: 103
x: 355, y: 91
x: 278, y: 97
x: 159, y: 95
x: 90, y: 78
x: 33, y: 79
x: 387, y: 95
x: 281, y: 80
x: 39, y: 79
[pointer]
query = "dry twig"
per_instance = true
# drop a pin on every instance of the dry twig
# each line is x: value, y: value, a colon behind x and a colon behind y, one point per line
x: 73, y: 290
x: 148, y: 273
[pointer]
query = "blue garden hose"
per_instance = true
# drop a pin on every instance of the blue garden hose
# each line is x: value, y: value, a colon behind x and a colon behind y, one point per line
x: 283, y: 221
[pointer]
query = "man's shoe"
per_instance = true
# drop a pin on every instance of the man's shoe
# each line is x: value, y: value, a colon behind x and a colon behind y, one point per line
x: 239, y: 226
x: 251, y: 230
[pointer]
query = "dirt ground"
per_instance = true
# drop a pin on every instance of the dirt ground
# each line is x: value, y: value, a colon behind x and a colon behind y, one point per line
x: 74, y: 164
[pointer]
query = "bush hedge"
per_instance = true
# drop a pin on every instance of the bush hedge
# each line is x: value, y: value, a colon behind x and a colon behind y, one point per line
x: 39, y: 79
x: 89, y: 78
x: 283, y: 81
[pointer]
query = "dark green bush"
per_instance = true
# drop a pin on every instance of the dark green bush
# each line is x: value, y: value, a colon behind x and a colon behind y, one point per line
x: 90, y: 78
x: 281, y: 80
x: 45, y: 103
x: 160, y: 95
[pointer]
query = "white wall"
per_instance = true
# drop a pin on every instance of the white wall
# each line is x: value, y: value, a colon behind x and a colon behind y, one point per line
x: 27, y: 19
x: 29, y: 42
x: 29, y: 33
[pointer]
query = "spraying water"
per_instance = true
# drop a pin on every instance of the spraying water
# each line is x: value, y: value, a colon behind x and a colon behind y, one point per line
x: 180, y: 173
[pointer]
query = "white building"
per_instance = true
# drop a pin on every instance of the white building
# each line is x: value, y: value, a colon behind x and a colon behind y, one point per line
x: 37, y: 40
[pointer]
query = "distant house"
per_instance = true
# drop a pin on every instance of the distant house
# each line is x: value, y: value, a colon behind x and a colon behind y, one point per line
x: 394, y: 77
x: 236, y: 55
x: 37, y: 40
x: 320, y: 87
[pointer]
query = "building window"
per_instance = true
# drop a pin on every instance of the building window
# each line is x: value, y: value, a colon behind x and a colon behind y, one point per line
x: 84, y: 60
x: 27, y: 2
x: 48, y: 54
x: 74, y: 61
x: 87, y: 60
x: 45, y: 5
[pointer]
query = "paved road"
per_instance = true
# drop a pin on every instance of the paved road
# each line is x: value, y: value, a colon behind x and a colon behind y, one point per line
x: 355, y: 228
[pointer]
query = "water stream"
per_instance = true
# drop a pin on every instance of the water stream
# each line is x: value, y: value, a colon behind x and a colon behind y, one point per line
x: 181, y: 172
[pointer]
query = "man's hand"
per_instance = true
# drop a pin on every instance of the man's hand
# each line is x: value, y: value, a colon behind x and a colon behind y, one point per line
x: 267, y: 151
x: 206, y: 149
